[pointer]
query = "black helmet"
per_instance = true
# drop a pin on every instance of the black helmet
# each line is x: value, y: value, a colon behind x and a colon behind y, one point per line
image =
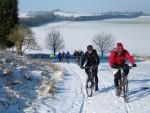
x: 89, y: 47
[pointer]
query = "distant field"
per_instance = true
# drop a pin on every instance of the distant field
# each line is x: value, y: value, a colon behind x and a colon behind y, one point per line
x: 134, y: 33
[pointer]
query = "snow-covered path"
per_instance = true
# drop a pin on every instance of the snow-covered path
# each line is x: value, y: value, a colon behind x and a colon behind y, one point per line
x: 105, y: 100
x: 72, y: 97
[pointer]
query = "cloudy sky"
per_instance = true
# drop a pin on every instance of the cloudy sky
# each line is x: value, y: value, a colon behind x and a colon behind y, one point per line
x: 85, y: 5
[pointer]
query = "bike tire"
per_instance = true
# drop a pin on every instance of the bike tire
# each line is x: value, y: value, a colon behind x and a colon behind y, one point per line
x: 89, y: 89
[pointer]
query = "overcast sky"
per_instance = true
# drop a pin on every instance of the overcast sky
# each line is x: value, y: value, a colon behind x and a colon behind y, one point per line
x: 85, y: 5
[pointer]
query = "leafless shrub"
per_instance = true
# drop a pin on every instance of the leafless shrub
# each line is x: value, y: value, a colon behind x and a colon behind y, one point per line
x: 23, y: 38
x: 7, y: 72
x: 47, y: 87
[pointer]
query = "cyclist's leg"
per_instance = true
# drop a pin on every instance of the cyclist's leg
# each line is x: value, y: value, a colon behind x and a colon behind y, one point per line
x: 95, y: 71
x: 126, y: 69
x: 88, y: 74
x: 117, y: 77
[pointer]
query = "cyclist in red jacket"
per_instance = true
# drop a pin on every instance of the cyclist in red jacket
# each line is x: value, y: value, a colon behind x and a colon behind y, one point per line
x: 117, y: 59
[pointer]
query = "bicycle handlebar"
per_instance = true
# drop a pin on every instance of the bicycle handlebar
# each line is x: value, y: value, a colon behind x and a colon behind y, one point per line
x: 130, y: 67
x: 120, y: 67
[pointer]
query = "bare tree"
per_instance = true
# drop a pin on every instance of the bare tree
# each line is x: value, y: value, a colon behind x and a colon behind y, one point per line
x: 104, y: 42
x: 29, y: 41
x: 54, y: 41
x: 23, y: 38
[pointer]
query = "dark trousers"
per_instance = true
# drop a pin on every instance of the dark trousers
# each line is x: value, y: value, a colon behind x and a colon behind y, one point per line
x: 117, y: 76
x: 59, y: 59
x: 95, y: 72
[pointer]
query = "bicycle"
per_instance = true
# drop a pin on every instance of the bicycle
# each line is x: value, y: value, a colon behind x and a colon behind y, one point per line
x: 123, y: 84
x: 90, y: 84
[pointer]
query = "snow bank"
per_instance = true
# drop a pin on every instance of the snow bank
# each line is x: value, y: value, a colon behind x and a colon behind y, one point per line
x: 23, y: 80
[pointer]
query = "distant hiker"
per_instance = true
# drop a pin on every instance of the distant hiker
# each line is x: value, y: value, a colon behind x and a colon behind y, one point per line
x: 79, y: 56
x: 117, y: 59
x: 63, y: 56
x: 67, y: 56
x: 52, y: 56
x: 92, y: 60
x: 75, y: 54
x: 59, y: 56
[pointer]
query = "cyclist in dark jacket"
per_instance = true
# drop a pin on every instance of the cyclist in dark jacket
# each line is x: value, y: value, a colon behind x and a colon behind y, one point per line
x: 93, y: 60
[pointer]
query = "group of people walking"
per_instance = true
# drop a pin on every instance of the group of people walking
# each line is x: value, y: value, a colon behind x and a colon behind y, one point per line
x: 61, y: 57
x: 67, y: 57
x: 64, y: 57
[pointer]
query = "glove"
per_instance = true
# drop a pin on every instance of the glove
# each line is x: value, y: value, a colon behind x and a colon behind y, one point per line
x: 113, y: 66
x: 134, y: 65
x: 81, y: 67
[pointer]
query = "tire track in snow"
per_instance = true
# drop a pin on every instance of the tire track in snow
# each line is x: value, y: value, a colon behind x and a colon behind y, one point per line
x: 83, y: 92
x: 42, y: 107
x: 79, y: 100
x: 119, y: 102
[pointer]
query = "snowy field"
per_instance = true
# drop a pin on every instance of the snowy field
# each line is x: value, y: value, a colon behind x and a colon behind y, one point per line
x: 134, y: 33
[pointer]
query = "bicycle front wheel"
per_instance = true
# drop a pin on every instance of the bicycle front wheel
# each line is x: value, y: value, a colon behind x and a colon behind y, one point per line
x: 125, y: 89
x: 89, y: 88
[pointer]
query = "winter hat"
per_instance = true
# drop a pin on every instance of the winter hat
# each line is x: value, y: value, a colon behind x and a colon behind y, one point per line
x: 89, y: 47
x: 120, y: 45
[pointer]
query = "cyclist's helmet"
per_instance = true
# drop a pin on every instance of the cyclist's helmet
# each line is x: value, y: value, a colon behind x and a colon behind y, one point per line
x: 89, y: 47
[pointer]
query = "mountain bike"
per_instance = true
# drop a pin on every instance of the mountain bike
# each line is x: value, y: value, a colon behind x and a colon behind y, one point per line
x: 123, y: 84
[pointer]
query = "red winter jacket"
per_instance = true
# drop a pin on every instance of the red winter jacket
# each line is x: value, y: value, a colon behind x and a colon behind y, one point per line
x: 116, y: 59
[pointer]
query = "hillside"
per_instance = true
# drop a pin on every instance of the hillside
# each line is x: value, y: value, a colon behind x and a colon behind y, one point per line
x: 43, y: 17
